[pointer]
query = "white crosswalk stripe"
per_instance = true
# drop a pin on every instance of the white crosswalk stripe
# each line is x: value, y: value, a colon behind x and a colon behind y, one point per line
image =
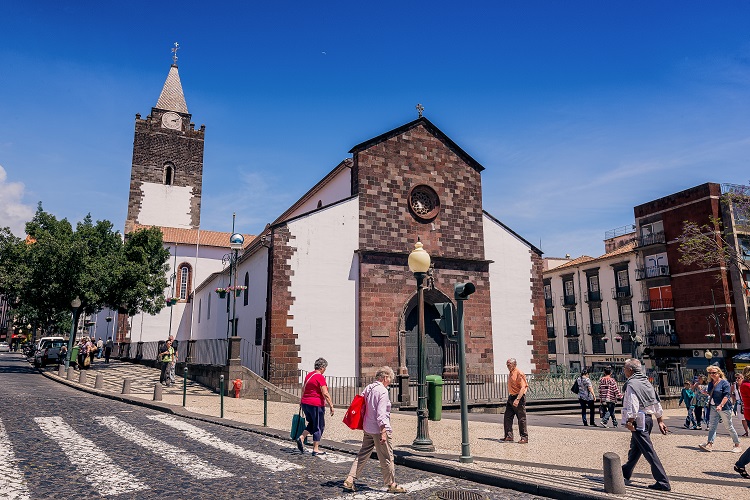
x: 12, y: 483
x: 422, y: 484
x: 190, y: 463
x: 335, y: 458
x: 208, y: 439
x: 90, y: 461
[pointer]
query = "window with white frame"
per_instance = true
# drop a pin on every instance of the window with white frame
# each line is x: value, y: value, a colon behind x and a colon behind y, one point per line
x: 184, y: 281
x: 622, y: 278
x: 571, y: 318
x: 596, y: 316
x: 569, y: 290
x: 626, y: 313
x: 547, y: 291
x: 662, y: 326
x: 593, y: 283
x: 550, y: 321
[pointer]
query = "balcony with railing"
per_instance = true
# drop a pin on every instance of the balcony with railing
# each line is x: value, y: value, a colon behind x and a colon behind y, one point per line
x: 655, y: 305
x: 593, y: 296
x: 551, y: 347
x: 596, y: 329
x: 571, y: 331
x: 551, y: 334
x: 645, y: 273
x: 568, y: 300
x: 621, y: 292
x: 661, y: 339
x: 548, y: 303
x: 651, y: 239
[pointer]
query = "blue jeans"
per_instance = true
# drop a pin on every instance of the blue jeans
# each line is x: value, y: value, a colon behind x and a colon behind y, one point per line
x: 725, y: 416
x: 690, y: 419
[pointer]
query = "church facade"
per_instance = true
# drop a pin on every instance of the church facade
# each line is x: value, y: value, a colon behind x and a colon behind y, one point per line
x: 329, y: 277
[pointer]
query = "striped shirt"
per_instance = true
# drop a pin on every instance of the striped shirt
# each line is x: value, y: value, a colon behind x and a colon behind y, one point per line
x: 608, y: 390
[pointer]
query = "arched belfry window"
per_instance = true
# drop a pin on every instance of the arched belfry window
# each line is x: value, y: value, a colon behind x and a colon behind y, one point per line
x: 168, y: 174
x: 184, y: 280
x: 247, y: 287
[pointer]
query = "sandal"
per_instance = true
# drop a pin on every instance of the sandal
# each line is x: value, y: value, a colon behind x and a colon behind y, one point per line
x: 396, y: 489
x: 349, y: 486
x: 742, y: 472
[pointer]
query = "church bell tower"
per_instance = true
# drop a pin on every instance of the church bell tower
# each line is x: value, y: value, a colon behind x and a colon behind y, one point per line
x: 167, y: 173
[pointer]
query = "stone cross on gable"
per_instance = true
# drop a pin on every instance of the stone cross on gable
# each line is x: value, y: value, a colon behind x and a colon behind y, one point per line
x: 420, y: 109
x: 174, y: 53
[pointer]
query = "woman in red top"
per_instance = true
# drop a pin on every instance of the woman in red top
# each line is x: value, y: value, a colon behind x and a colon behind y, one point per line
x: 314, y: 398
x: 740, y: 465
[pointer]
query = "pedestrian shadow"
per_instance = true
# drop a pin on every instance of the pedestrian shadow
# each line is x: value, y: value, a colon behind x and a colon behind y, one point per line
x: 724, y: 475
x: 361, y: 488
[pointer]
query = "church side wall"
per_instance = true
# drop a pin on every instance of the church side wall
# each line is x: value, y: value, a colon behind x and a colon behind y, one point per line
x: 338, y: 188
x: 513, y: 309
x: 324, y: 286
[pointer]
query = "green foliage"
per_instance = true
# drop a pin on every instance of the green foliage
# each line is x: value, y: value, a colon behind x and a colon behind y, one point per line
x: 41, y: 276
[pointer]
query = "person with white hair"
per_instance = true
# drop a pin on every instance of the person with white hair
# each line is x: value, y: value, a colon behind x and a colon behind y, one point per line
x: 515, y: 406
x: 377, y: 433
x: 639, y: 407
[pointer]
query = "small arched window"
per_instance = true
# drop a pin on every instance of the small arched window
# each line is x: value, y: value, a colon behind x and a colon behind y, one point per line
x: 247, y: 288
x: 184, y: 280
x: 168, y: 174
x: 320, y: 203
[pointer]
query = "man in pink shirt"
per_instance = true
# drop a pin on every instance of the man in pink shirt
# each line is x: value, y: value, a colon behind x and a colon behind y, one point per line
x: 377, y: 433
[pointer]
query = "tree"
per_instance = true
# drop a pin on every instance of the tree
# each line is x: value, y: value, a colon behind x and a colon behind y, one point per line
x: 711, y: 244
x: 43, y: 274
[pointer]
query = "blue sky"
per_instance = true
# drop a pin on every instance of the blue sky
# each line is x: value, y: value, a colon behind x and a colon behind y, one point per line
x: 578, y: 110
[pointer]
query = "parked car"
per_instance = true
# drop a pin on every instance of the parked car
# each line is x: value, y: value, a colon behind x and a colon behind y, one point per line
x: 4, y: 347
x: 49, y: 351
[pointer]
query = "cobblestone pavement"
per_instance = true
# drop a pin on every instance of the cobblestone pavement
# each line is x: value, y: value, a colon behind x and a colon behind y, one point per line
x: 57, y: 442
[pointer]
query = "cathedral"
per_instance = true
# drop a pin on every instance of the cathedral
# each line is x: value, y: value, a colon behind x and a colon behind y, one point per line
x: 329, y: 276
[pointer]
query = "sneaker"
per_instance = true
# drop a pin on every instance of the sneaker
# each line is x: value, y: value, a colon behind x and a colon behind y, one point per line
x: 694, y: 428
x: 603, y: 423
x: 628, y: 481
x: 736, y: 449
x: 686, y: 426
x: 523, y: 441
x: 705, y: 447
x: 316, y: 453
x: 699, y: 428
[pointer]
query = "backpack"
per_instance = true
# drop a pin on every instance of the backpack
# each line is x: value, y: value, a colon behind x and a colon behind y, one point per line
x: 162, y: 347
x: 575, y: 387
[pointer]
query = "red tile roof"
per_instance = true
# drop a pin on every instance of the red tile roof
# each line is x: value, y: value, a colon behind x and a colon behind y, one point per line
x: 585, y: 259
x: 191, y: 236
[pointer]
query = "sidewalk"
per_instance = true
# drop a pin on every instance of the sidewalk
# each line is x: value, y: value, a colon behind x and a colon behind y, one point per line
x: 563, y: 460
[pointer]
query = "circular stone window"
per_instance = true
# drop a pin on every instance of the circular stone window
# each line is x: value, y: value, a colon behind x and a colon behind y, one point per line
x: 424, y: 202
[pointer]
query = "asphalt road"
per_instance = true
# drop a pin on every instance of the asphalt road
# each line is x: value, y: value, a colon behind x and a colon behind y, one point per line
x: 57, y: 442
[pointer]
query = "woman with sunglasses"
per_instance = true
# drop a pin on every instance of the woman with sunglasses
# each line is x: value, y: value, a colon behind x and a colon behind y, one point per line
x: 721, y: 408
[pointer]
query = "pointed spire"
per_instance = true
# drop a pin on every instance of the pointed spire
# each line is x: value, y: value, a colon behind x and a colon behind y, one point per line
x: 172, y: 98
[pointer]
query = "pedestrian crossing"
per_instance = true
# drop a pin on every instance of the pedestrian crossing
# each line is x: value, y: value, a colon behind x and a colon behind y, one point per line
x: 412, y: 487
x: 334, y: 458
x: 100, y: 468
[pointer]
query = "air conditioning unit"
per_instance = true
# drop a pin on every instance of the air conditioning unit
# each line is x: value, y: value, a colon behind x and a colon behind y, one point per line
x: 697, y: 353
x: 624, y: 328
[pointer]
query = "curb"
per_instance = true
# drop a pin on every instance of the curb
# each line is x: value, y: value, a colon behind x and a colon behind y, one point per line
x: 403, y: 458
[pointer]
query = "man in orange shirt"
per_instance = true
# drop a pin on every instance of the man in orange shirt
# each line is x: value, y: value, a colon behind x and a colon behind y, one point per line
x: 516, y: 404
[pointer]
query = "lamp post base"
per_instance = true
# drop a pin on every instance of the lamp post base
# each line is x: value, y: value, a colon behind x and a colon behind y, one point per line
x: 423, y: 445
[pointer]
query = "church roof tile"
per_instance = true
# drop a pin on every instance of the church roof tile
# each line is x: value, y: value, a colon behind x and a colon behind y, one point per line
x: 195, y: 236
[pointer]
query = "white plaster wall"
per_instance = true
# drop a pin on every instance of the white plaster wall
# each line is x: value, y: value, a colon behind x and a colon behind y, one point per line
x: 148, y: 328
x: 338, y: 188
x: 167, y: 206
x: 510, y: 285
x: 324, y: 288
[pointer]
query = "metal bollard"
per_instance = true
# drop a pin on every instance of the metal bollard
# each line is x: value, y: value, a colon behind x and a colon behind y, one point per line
x: 265, y: 407
x: 613, y: 479
x: 99, y: 382
x: 126, y: 386
x: 82, y: 377
x: 157, y: 392
x: 71, y: 373
x: 184, y: 386
x: 221, y: 392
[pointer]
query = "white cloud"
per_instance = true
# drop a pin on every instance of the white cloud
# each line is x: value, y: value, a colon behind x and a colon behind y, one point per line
x: 13, y: 212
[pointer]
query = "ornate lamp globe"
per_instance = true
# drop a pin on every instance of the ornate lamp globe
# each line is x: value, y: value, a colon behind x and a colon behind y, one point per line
x: 708, y: 354
x: 419, y: 259
x: 236, y: 241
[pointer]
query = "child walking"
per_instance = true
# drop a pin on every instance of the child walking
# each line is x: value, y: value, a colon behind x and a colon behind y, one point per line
x: 688, y: 396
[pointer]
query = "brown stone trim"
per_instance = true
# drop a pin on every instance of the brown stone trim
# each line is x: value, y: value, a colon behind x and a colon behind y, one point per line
x: 538, y: 342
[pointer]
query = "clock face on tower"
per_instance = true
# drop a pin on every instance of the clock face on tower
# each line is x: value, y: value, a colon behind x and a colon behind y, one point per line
x: 171, y: 120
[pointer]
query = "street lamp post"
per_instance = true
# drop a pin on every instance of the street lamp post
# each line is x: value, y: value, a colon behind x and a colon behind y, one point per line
x: 419, y: 264
x: 74, y: 305
x: 109, y: 320
x: 235, y: 243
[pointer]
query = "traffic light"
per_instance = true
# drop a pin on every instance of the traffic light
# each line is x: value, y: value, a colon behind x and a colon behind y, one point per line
x: 461, y: 291
x: 445, y: 322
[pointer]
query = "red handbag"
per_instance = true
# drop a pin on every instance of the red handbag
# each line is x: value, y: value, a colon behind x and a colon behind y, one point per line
x: 355, y: 415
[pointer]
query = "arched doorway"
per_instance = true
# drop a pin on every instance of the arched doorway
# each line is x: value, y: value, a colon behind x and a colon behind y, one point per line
x: 433, y: 342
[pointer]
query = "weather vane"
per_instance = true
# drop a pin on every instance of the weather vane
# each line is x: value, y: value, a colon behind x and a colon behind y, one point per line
x: 420, y: 109
x: 174, y: 53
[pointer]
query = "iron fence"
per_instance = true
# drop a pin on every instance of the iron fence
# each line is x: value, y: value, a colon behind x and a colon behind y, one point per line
x: 210, y: 352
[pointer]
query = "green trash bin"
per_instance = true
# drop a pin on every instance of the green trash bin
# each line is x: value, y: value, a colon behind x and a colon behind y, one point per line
x: 74, y: 355
x: 434, y: 397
